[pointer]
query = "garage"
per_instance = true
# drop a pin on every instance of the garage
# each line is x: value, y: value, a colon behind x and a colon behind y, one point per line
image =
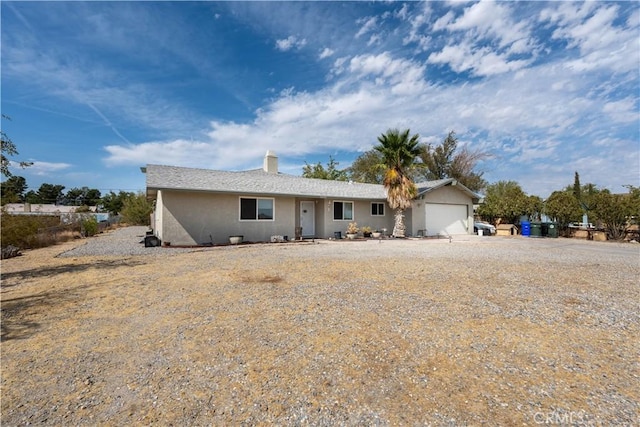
x: 446, y: 219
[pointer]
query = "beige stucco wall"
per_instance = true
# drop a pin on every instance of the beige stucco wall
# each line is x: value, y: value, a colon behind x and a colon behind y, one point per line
x: 445, y: 195
x: 193, y: 218
x: 362, y: 216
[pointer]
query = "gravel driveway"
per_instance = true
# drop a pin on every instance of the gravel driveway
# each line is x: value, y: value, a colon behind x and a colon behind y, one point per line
x: 479, y: 330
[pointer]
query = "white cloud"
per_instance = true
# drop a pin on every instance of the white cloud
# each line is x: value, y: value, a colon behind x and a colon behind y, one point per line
x: 593, y: 31
x: 40, y: 168
x: 326, y: 52
x: 622, y: 111
x: 481, y: 62
x: 368, y: 25
x: 289, y: 43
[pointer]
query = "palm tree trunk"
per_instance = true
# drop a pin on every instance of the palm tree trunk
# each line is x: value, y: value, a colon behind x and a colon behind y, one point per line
x: 398, y: 226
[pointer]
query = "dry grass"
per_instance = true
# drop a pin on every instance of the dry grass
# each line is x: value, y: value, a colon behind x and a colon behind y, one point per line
x: 298, y: 335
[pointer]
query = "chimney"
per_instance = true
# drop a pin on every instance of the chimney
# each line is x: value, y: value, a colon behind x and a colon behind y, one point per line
x: 270, y: 164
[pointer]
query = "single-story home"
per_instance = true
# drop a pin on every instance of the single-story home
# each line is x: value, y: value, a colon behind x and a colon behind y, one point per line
x: 200, y: 206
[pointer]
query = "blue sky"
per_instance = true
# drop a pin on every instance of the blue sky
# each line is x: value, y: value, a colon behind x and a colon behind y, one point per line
x: 97, y: 89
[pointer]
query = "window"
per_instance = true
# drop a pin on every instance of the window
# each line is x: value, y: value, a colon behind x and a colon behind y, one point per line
x: 343, y: 211
x: 256, y: 209
x: 377, y: 209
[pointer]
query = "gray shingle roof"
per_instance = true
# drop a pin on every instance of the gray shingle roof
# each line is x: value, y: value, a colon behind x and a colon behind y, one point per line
x: 259, y: 182
x: 427, y: 186
x: 255, y: 182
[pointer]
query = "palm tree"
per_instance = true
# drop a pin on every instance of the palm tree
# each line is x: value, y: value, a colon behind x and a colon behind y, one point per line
x: 398, y: 155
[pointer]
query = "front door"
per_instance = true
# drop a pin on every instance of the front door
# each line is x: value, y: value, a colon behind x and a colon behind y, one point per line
x: 308, y: 218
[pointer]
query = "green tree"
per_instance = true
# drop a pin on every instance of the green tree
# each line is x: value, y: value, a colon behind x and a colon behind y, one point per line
x: 446, y: 161
x: 563, y: 207
x: 12, y: 190
x: 534, y: 207
x: 617, y: 211
x: 50, y: 193
x: 32, y: 197
x: 319, y: 172
x: 437, y: 161
x: 136, y: 210
x: 8, y: 149
x: 367, y: 168
x: 82, y: 196
x: 584, y: 194
x: 577, y: 190
x: 113, y: 202
x: 506, y: 201
x: 399, y: 152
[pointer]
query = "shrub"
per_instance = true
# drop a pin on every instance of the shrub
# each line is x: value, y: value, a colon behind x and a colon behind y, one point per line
x: 136, y: 210
x: 30, y: 232
x: 89, y: 226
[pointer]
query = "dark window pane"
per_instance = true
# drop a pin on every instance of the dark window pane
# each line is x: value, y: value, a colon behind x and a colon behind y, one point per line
x: 337, y: 210
x: 248, y: 208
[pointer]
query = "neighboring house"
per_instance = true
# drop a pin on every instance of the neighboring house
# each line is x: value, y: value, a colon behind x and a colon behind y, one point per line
x: 40, y: 209
x: 199, y: 206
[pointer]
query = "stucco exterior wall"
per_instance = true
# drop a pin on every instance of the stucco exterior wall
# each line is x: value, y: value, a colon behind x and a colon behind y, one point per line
x: 444, y: 195
x: 194, y: 218
x: 361, y: 215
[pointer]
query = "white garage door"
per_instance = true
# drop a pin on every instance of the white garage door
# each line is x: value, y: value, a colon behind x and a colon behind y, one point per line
x: 446, y: 220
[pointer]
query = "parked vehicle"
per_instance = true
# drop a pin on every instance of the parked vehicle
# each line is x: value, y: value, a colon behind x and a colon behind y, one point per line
x: 487, y: 229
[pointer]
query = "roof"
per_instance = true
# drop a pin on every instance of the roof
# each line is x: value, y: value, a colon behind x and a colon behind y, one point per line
x: 259, y: 182
x: 256, y: 182
x: 428, y: 186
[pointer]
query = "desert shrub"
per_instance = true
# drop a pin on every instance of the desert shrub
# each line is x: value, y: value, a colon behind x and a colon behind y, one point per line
x: 89, y: 226
x: 28, y: 232
x: 136, y: 210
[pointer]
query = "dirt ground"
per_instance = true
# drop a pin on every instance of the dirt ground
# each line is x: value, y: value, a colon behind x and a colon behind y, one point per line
x: 331, y: 333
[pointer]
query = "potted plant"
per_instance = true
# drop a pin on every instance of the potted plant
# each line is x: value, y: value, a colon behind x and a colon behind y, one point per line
x: 376, y: 234
x: 234, y: 240
x: 352, y: 230
x: 366, y: 231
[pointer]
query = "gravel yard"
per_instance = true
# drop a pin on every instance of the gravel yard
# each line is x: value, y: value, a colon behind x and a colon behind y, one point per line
x: 476, y: 331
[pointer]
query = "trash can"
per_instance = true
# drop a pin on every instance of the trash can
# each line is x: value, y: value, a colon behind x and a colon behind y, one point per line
x: 536, y: 229
x: 337, y: 235
x: 151, y: 241
x: 552, y: 229
x: 544, y: 229
x: 526, y: 228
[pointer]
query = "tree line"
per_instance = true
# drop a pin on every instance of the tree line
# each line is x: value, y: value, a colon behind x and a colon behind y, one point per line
x: 399, y: 160
x: 425, y: 162
x: 14, y: 191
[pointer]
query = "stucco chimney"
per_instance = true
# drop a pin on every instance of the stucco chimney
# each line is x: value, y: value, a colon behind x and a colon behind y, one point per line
x: 270, y: 162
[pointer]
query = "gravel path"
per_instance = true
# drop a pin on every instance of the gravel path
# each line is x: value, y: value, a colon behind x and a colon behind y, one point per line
x: 479, y: 331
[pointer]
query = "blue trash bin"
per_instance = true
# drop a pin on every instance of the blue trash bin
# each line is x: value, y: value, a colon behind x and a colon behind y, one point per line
x: 526, y: 228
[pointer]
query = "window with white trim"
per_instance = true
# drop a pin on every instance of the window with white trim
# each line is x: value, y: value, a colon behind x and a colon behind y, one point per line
x: 343, y: 211
x: 377, y: 209
x: 256, y: 209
